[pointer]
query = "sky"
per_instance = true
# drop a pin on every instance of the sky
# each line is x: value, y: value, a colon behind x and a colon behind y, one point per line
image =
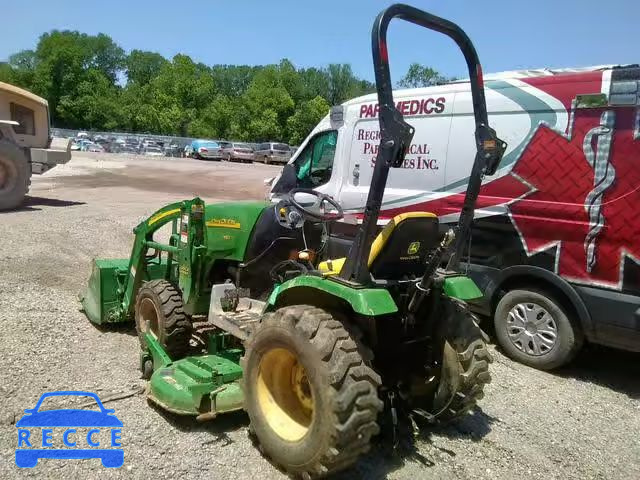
x: 508, y: 34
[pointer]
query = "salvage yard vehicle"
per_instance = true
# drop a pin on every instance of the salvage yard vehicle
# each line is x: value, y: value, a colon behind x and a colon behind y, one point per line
x: 153, y: 151
x: 554, y: 243
x: 272, y: 153
x: 239, y: 152
x: 205, y: 150
x: 238, y: 309
x: 25, y: 138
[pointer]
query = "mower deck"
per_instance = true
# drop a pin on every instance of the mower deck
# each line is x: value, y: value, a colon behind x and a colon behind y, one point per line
x: 201, y: 385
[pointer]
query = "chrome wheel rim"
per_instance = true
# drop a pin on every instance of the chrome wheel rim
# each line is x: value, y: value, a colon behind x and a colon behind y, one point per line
x: 532, y: 329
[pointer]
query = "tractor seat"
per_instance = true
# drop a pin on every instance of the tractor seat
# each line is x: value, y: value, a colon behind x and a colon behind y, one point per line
x: 400, y: 249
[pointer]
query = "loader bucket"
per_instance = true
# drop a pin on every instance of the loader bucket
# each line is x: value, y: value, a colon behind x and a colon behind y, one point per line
x: 103, y: 298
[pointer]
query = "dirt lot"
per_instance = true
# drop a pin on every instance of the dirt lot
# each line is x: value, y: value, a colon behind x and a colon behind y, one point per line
x: 582, y: 422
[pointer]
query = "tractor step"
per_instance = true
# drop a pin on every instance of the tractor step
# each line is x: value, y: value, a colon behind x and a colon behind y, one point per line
x: 232, y: 312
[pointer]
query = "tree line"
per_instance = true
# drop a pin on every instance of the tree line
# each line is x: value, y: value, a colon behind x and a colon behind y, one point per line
x: 90, y: 82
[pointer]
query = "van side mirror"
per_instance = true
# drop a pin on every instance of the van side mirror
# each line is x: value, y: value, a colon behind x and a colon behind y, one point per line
x: 288, y: 180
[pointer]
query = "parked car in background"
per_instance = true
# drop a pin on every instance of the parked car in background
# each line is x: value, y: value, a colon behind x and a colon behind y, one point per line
x: 128, y: 150
x: 187, y: 152
x: 273, y: 153
x: 225, y: 149
x: 206, y: 150
x: 240, y: 152
x: 172, y: 150
x: 94, y: 147
x: 153, y: 151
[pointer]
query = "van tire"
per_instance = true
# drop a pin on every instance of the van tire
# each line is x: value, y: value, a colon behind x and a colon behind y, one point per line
x: 543, y: 334
x: 14, y: 175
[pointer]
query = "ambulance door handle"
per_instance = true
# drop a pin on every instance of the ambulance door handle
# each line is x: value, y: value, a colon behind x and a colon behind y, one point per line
x: 356, y: 171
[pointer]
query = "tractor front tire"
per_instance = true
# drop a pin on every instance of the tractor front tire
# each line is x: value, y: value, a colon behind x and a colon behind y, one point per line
x: 159, y: 308
x: 464, y: 366
x: 311, y: 397
x: 14, y: 175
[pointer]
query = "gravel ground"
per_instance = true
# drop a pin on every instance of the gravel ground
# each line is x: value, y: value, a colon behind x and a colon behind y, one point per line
x: 581, y: 422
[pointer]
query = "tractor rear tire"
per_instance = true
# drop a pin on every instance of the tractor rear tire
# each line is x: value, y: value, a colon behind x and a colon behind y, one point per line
x: 160, y: 303
x: 14, y: 175
x: 311, y: 397
x: 467, y: 358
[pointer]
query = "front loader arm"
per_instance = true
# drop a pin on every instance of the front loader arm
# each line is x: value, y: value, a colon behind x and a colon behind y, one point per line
x: 143, y: 241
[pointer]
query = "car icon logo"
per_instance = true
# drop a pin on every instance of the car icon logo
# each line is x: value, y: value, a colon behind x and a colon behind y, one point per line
x: 102, y: 438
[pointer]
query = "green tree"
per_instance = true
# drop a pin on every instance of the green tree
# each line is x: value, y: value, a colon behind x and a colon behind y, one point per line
x: 6, y: 73
x: 233, y: 80
x: 80, y: 75
x: 142, y: 66
x: 344, y: 85
x: 269, y: 104
x: 307, y: 115
x: 421, y: 76
x: 94, y: 103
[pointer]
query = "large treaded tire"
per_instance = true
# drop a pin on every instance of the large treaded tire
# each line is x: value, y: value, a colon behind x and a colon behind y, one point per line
x: 344, y: 391
x: 172, y: 327
x: 15, y: 171
x: 467, y: 359
x: 470, y: 345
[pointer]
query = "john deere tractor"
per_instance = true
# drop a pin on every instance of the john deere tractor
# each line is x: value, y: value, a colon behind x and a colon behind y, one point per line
x: 238, y: 309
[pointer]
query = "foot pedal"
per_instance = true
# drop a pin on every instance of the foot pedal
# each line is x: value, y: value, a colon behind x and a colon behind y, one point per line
x: 231, y: 311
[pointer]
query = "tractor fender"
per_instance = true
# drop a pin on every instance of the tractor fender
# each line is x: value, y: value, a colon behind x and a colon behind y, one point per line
x: 365, y: 301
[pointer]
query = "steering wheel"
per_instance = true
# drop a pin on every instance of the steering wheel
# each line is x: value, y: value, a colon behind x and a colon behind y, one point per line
x: 316, y: 212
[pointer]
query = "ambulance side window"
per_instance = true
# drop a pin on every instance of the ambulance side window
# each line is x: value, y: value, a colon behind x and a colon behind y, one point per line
x: 315, y: 163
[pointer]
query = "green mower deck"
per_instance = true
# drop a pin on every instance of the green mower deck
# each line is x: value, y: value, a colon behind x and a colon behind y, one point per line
x: 202, y: 385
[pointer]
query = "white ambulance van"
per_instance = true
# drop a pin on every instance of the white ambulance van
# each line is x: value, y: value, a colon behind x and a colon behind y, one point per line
x: 555, y: 244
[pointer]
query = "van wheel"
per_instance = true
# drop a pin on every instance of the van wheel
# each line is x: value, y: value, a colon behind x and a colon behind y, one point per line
x: 14, y: 175
x: 533, y: 328
x: 266, y: 160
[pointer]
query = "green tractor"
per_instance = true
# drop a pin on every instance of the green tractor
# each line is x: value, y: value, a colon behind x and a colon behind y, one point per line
x: 237, y: 310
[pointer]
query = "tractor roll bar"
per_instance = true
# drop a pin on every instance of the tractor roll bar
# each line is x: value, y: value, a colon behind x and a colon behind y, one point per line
x: 396, y: 135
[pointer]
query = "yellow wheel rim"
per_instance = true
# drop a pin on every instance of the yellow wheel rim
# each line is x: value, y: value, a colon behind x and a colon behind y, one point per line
x: 284, y: 394
x: 147, y: 312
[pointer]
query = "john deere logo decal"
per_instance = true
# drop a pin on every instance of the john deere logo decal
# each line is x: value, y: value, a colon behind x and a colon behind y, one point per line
x: 413, y: 248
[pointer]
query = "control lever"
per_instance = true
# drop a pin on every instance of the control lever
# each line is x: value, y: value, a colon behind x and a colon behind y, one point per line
x: 433, y: 262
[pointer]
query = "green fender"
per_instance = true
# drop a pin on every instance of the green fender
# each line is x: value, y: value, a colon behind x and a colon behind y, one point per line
x: 366, y: 301
x: 462, y: 288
